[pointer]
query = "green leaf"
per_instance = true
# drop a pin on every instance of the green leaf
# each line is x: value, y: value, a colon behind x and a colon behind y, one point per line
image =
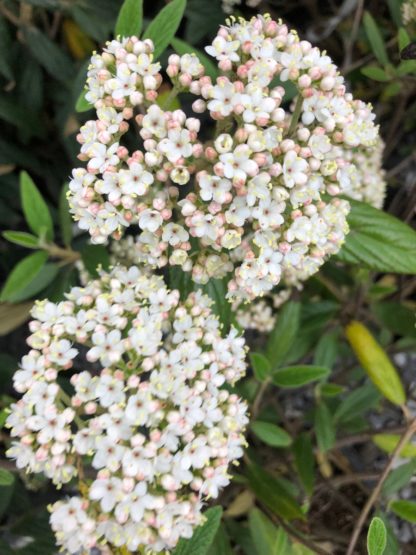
x: 260, y: 365
x: 35, y: 208
x: 404, y: 509
x: 182, y: 47
x: 327, y: 349
x: 180, y: 280
x: 330, y: 389
x: 12, y: 316
x: 82, y: 104
x: 375, y: 73
x: 95, y: 256
x: 48, y: 54
x: 324, y: 427
x: 392, y: 547
x: 375, y: 39
x: 399, y: 478
x: 164, y: 26
x: 403, y: 38
x: 272, y: 435
x: 284, y: 333
x: 203, y: 536
x: 217, y: 289
x: 45, y: 277
x: 396, y: 317
x: 22, y: 238
x: 358, y: 401
x: 221, y: 544
x: 130, y: 19
x: 6, y: 489
x: 374, y: 239
x: 267, y: 538
x: 388, y: 443
x: 22, y: 274
x: 65, y: 220
x: 271, y: 491
x: 376, y: 537
x: 297, y: 376
x: 304, y: 461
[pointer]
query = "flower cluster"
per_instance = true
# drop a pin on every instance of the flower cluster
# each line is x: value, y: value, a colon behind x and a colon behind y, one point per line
x: 148, y: 430
x: 364, y: 177
x: 409, y: 11
x: 249, y: 202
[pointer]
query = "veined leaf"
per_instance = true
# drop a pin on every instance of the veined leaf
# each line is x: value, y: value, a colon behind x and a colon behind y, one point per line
x: 261, y: 366
x: 324, y: 427
x: 266, y: 536
x: 297, y: 376
x: 130, y: 19
x: 305, y: 461
x: 35, y: 208
x: 164, y: 26
x: 376, y: 537
x: 22, y: 238
x: 203, y: 535
x: 378, y: 241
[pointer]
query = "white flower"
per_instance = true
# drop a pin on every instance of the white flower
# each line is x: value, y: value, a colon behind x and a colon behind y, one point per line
x: 150, y: 220
x: 176, y: 145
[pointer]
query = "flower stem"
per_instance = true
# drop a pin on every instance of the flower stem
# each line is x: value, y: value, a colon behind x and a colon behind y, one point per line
x: 295, y: 115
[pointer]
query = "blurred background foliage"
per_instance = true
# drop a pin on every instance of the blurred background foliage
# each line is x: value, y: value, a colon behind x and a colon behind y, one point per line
x: 325, y: 459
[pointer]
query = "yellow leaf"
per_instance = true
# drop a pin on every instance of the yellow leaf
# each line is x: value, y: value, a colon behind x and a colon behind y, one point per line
x: 79, y: 44
x: 13, y: 315
x: 241, y: 504
x: 376, y: 363
x: 388, y: 442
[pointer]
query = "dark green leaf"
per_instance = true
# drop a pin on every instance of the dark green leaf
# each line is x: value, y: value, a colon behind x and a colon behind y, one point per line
x: 48, y: 54
x: 403, y: 38
x: 130, y: 19
x: 5, y: 48
x: 379, y: 241
x: 376, y: 537
x: 358, y: 401
x: 182, y: 47
x: 396, y: 317
x: 216, y: 289
x: 180, y: 280
x: 46, y: 275
x: 272, y: 435
x: 221, y: 544
x: 6, y: 489
x: 324, y: 427
x: 22, y: 274
x: 95, y: 256
x: 297, y: 376
x: 35, y: 208
x: 203, y: 536
x: 375, y: 39
x: 260, y: 365
x: 305, y: 461
x: 284, y: 333
x: 164, y: 26
x: 404, y: 509
x: 65, y: 220
x: 270, y: 491
x: 21, y: 238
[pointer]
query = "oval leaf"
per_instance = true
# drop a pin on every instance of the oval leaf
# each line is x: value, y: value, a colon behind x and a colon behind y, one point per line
x: 21, y: 238
x: 272, y: 435
x: 43, y: 278
x: 164, y: 26
x: 130, y: 19
x: 94, y: 257
x: 324, y: 427
x: 266, y: 536
x: 376, y: 537
x: 34, y: 207
x: 404, y: 509
x: 375, y: 362
x: 82, y: 104
x: 297, y: 376
x: 373, y: 239
x: 203, y: 536
x: 22, y: 274
x: 375, y: 38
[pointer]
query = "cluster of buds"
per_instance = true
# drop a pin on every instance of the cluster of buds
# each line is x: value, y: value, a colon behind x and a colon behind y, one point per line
x: 254, y: 200
x: 149, y: 430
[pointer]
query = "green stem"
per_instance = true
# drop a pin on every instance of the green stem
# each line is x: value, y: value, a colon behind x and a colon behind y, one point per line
x: 171, y: 97
x: 295, y: 115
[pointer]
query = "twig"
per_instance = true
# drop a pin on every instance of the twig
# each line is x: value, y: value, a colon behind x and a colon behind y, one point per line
x: 367, y: 435
x: 411, y: 429
x: 259, y: 397
x: 353, y: 35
